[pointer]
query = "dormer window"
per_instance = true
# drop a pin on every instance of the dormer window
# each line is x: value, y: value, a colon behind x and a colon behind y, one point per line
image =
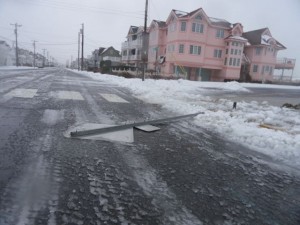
x: 198, y: 17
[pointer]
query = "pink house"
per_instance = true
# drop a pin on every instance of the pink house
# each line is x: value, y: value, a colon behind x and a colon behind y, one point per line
x: 261, y: 50
x: 197, y: 47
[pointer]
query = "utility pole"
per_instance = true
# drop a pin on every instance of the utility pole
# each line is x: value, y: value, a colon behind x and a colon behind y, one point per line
x: 144, y: 54
x: 82, y: 44
x: 34, y: 53
x: 44, y: 50
x: 16, y: 33
x: 48, y: 58
x: 78, y: 50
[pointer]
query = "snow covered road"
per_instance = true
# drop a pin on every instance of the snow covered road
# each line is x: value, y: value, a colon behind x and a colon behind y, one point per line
x: 184, y: 173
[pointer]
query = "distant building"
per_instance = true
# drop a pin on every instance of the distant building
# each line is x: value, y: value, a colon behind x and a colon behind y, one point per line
x: 132, y: 49
x: 198, y: 47
x: 111, y: 54
x: 6, y: 54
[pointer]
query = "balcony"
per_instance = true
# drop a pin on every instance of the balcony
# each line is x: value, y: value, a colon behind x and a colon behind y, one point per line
x: 132, y: 58
x: 132, y: 44
x: 285, y: 63
x: 113, y: 59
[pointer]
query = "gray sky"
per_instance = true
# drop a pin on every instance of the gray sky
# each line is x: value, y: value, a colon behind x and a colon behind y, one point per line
x: 55, y: 23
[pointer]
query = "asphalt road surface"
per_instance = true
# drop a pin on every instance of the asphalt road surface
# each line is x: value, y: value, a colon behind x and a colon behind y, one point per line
x: 181, y: 174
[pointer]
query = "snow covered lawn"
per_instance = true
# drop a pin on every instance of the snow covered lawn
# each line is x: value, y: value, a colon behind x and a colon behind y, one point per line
x: 249, y: 124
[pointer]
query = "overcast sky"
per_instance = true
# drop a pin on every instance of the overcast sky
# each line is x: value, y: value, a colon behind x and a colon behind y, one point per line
x: 55, y: 23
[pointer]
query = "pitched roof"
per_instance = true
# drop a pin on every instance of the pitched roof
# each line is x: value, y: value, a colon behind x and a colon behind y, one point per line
x: 214, y: 21
x: 220, y: 22
x: 255, y: 37
x: 161, y: 24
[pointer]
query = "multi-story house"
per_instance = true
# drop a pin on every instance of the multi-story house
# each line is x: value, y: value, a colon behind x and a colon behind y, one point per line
x: 133, y: 51
x: 261, y: 50
x: 111, y: 54
x: 198, y: 47
x: 104, y: 54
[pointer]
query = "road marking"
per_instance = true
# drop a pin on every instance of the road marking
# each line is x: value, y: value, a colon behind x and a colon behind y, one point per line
x: 113, y: 98
x: 68, y: 95
x: 22, y: 93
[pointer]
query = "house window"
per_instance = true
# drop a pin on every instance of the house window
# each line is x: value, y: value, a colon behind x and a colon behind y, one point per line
x: 257, y: 51
x: 271, y: 70
x: 240, y: 52
x: 225, y: 61
x: 255, y: 68
x: 171, y: 48
x: 231, y: 52
x: 197, y: 27
x: 183, y: 26
x: 181, y: 48
x: 230, y: 61
x: 195, y: 50
x: 125, y: 53
x: 235, y: 51
x: 263, y: 70
x: 198, y: 17
x: 267, y: 68
x: 172, y: 27
x: 217, y: 53
x: 238, y: 62
x: 132, y: 52
x: 234, y: 61
x: 227, y: 51
x: 220, y: 33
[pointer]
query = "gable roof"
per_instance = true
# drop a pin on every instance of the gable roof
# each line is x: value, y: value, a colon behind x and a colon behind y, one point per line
x: 111, y: 47
x: 161, y: 24
x: 256, y: 37
x: 220, y: 22
x: 211, y: 20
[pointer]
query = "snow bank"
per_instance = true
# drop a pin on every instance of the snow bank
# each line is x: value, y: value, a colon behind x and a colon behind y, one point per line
x: 282, y: 141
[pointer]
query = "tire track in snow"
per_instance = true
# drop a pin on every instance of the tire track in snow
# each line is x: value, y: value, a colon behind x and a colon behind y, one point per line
x: 153, y: 186
x: 35, y: 190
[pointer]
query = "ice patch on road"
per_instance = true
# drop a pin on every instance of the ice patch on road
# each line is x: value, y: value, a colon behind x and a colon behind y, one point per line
x: 52, y: 117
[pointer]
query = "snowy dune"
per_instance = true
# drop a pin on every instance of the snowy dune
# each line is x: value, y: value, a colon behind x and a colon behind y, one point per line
x: 243, y: 125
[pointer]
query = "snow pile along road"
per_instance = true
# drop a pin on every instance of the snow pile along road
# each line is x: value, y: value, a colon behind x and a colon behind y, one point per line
x: 271, y: 130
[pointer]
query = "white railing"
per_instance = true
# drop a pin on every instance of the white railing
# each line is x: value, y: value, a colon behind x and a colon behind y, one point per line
x: 131, y: 57
x: 286, y: 61
x: 132, y: 44
x: 113, y: 59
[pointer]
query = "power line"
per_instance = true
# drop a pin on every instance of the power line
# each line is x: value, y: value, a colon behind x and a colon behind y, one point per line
x: 81, y: 8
